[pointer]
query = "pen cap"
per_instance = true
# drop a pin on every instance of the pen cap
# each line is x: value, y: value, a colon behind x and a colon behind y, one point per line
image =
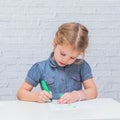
x: 60, y: 95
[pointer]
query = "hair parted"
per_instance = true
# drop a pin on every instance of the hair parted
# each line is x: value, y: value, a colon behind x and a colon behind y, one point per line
x: 73, y: 33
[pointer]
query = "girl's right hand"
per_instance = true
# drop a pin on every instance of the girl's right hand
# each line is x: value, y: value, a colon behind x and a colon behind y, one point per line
x: 42, y: 96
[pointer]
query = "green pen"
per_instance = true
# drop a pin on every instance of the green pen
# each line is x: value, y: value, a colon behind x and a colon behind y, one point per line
x: 45, y: 87
x: 60, y: 95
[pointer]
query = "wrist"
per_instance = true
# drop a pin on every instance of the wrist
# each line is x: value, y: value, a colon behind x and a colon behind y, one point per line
x: 82, y: 95
x: 36, y: 96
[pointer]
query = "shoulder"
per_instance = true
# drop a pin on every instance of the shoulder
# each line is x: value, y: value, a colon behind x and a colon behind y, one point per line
x: 42, y: 63
x: 84, y: 63
x: 39, y: 65
x: 84, y: 66
x: 81, y: 63
x: 85, y: 70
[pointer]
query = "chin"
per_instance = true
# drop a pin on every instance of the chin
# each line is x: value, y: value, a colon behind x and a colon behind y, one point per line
x: 62, y: 65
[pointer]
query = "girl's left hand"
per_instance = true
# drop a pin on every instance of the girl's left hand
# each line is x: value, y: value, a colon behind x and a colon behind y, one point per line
x: 69, y: 97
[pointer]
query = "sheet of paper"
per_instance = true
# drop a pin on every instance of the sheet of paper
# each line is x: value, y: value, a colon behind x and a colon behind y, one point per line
x: 72, y: 106
x: 88, y: 104
x: 55, y: 106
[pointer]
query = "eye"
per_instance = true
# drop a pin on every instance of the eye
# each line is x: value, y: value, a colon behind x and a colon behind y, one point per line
x: 72, y: 58
x: 63, y: 54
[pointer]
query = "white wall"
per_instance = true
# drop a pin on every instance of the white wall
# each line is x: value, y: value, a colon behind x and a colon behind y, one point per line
x: 27, y: 28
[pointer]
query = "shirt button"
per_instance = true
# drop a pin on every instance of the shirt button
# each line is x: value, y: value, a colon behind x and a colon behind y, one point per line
x: 62, y: 78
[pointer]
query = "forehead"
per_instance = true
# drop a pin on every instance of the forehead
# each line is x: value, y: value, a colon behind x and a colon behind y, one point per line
x: 68, y: 49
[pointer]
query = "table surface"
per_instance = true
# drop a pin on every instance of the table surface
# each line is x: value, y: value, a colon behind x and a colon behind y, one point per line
x: 95, y: 109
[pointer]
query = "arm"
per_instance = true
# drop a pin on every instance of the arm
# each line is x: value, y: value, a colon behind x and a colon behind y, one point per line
x: 89, y: 92
x: 90, y: 89
x: 25, y: 93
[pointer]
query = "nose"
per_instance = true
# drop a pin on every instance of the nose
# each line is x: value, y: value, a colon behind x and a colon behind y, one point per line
x: 66, y: 60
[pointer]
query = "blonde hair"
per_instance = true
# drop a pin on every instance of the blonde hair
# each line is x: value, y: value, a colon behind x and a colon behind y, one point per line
x: 73, y: 33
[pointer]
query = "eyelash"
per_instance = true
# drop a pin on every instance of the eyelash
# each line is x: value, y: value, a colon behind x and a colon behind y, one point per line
x: 62, y: 54
x: 65, y: 55
x: 72, y: 58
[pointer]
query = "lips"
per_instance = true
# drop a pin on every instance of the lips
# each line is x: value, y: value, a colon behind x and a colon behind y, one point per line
x: 62, y: 64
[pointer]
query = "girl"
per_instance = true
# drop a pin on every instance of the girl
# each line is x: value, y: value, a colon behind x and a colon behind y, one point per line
x: 63, y: 72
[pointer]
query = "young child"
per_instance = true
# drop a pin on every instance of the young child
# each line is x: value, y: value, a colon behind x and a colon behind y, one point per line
x: 63, y: 72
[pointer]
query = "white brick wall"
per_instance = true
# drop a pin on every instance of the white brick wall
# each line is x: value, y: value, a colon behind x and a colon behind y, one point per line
x: 27, y: 28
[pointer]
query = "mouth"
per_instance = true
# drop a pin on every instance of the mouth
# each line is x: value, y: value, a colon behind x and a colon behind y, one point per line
x: 62, y: 64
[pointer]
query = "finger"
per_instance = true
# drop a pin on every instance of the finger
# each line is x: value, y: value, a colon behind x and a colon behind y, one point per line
x: 50, y: 94
x: 64, y: 100
x: 64, y: 95
x: 44, y: 96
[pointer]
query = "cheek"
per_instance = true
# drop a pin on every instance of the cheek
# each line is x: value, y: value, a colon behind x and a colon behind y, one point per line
x: 56, y: 56
x: 71, y: 61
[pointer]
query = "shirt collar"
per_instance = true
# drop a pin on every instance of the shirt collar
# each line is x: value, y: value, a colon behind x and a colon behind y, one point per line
x: 52, y: 62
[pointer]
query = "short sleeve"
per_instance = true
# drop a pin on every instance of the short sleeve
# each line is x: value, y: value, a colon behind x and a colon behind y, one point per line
x: 86, y: 71
x: 33, y: 75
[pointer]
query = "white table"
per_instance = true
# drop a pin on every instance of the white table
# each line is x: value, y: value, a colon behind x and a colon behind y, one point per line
x: 96, y: 109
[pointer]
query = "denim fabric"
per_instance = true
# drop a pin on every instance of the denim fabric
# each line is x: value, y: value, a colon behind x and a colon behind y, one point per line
x: 59, y: 79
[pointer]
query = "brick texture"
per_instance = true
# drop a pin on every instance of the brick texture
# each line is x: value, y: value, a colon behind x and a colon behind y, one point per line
x: 27, y: 28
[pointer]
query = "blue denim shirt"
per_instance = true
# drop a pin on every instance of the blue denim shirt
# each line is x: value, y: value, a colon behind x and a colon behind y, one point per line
x: 59, y: 79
